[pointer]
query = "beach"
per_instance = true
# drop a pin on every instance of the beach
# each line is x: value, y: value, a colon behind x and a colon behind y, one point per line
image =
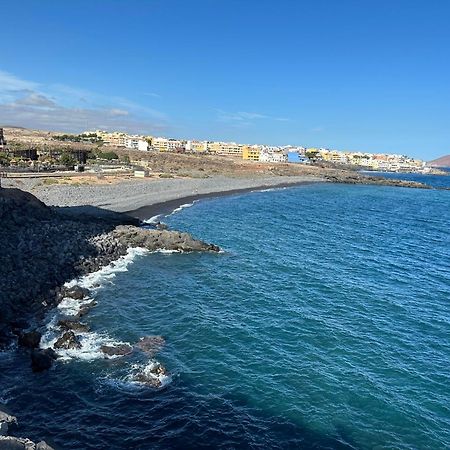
x: 148, y: 197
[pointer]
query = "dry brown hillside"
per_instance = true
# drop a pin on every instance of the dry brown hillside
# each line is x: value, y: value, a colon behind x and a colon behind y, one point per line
x: 443, y: 161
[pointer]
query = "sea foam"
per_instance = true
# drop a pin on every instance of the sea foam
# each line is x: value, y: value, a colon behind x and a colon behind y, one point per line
x: 90, y: 341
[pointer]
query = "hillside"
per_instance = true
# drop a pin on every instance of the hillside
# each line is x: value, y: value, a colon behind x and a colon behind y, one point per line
x: 443, y: 161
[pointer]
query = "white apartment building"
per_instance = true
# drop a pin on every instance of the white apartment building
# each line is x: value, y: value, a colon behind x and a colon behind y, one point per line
x: 196, y: 146
x: 168, y: 145
x: 272, y: 156
x: 136, y: 143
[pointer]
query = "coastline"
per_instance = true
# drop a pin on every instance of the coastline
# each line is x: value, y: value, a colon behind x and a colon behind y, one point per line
x: 112, y: 240
x: 93, y: 233
x: 134, y: 193
x: 144, y: 198
x: 168, y: 206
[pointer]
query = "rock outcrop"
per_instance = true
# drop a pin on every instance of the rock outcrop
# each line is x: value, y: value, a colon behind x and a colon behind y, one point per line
x: 152, y: 240
x: 42, y: 248
x: 16, y: 443
x: 30, y: 339
x: 117, y: 350
x: 73, y: 324
x: 351, y: 177
x: 152, y: 376
x: 150, y: 344
x: 42, y: 359
x: 69, y: 340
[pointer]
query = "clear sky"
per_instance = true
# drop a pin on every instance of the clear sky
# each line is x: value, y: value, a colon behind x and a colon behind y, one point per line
x: 369, y: 75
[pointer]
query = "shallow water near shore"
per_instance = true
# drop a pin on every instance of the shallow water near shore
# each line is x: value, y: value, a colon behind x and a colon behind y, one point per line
x: 324, y: 324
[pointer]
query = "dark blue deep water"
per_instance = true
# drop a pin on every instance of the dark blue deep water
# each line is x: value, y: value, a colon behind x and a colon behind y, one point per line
x: 324, y: 324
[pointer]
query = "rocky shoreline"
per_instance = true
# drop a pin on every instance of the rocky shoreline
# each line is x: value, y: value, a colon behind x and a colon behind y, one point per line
x: 351, y: 177
x: 43, y: 248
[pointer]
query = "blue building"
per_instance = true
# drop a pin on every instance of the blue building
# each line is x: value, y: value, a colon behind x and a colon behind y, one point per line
x: 294, y: 157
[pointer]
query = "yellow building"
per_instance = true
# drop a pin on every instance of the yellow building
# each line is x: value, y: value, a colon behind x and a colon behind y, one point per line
x: 196, y: 146
x: 161, y: 144
x: 225, y: 148
x: 117, y: 139
x: 251, y: 153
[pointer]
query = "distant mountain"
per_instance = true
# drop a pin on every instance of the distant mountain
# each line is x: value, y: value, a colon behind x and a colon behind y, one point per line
x: 443, y: 161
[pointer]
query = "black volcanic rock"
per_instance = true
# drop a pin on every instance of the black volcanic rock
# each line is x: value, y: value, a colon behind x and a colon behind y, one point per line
x: 42, y: 248
x: 150, y: 344
x: 68, y: 341
x: 72, y: 324
x: 30, y: 339
x: 76, y: 292
x: 152, y: 240
x: 117, y: 350
x: 42, y: 359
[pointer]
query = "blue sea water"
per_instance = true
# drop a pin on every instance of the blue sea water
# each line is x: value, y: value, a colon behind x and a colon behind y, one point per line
x: 324, y: 324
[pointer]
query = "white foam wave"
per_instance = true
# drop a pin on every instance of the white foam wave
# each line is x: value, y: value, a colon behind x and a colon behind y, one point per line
x: 148, y: 370
x: 166, y: 251
x: 90, y: 341
x: 94, y: 280
x: 279, y: 188
x: 181, y: 207
x: 153, y: 220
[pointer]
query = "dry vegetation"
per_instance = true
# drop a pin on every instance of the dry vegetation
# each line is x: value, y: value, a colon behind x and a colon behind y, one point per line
x: 174, y: 165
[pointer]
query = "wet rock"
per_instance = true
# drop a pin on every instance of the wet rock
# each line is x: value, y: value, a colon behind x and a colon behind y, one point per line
x: 42, y: 359
x: 43, y: 446
x: 161, y: 226
x: 130, y: 236
x: 151, y: 344
x: 68, y: 341
x: 151, y: 376
x: 7, y: 418
x: 62, y: 246
x: 14, y: 443
x: 86, y: 308
x: 76, y: 292
x: 74, y: 325
x: 149, y: 381
x: 117, y: 350
x: 30, y: 339
x: 3, y: 429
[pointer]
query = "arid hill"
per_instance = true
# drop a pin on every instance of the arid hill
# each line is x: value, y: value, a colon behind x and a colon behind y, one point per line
x: 443, y: 161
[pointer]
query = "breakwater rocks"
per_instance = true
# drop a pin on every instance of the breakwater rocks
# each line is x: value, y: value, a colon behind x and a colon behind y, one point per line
x: 42, y: 248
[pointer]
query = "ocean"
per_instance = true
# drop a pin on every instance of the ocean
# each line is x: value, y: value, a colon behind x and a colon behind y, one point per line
x: 324, y: 323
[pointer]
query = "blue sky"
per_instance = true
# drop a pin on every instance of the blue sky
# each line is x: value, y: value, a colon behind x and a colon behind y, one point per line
x: 352, y: 75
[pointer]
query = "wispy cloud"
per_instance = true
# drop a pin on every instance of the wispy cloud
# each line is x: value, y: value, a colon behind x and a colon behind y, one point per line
x: 116, y: 112
x: 317, y: 129
x: 245, y: 117
x: 152, y: 94
x: 68, y: 108
x: 10, y: 82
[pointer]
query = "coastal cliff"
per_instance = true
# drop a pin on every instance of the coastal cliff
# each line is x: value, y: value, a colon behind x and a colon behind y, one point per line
x: 42, y: 248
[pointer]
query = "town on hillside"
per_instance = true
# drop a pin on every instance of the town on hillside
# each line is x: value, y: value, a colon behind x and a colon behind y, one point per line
x: 76, y: 149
